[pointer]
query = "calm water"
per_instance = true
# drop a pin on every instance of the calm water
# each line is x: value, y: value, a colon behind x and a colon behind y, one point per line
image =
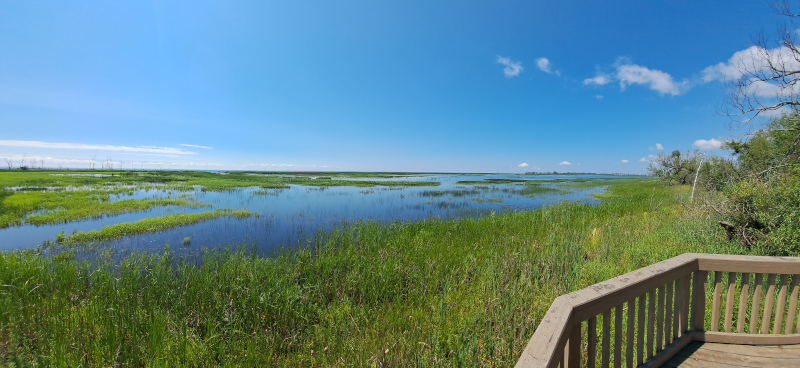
x: 288, y: 217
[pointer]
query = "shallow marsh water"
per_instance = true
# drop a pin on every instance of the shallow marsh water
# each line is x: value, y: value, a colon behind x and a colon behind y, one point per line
x: 290, y: 217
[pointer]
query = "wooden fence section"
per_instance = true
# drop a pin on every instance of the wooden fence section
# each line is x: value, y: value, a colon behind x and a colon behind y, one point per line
x: 644, y: 317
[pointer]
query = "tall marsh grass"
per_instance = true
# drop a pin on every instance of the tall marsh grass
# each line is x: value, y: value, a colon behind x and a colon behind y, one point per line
x: 151, y: 225
x: 466, y: 292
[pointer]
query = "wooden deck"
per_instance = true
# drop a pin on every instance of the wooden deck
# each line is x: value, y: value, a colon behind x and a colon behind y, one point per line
x: 701, y: 355
x: 693, y: 310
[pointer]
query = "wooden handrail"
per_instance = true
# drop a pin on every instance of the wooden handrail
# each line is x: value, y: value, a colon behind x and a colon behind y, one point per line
x: 653, y: 304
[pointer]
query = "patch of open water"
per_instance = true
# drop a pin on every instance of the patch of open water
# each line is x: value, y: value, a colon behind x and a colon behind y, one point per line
x: 288, y: 217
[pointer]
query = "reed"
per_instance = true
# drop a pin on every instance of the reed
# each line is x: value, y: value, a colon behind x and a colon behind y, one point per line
x: 151, y: 225
x: 466, y: 292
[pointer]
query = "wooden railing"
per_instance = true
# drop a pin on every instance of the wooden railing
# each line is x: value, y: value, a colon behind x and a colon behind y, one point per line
x: 644, y: 317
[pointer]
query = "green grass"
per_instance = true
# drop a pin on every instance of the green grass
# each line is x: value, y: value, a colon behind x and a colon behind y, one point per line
x: 449, y: 193
x: 466, y: 292
x: 528, y: 181
x: 151, y: 225
x: 492, y: 181
x: 47, y: 197
x: 49, y: 207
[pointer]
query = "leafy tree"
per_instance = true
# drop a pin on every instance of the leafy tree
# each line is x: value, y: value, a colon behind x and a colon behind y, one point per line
x: 676, y: 168
x: 761, y: 184
x: 762, y: 193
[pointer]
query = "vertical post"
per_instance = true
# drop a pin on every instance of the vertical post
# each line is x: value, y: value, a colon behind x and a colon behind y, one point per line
x: 591, y: 338
x: 669, y: 314
x: 606, y: 358
x: 768, y: 304
x: 618, y: 337
x: 699, y: 300
x: 678, y: 324
x: 792, y: 305
x: 640, y: 330
x: 715, y: 305
x: 574, y: 347
x: 780, y: 310
x: 660, y: 320
x: 755, y: 311
x: 685, y: 304
x: 730, y: 301
x: 743, y: 301
x: 630, y: 329
x: 651, y: 331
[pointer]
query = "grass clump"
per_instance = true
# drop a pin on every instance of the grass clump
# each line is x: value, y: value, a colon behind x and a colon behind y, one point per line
x: 151, y: 225
x: 467, y: 292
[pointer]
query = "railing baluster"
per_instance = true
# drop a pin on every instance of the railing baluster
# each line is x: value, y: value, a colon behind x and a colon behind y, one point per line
x: 716, y: 301
x: 660, y: 320
x: 781, y: 309
x: 630, y: 329
x: 792, y: 305
x: 686, y: 304
x: 669, y: 320
x: 683, y: 293
x: 755, y: 311
x: 678, y: 324
x: 651, y: 322
x: 730, y: 300
x: 640, y: 329
x: 618, y: 337
x: 606, y: 357
x: 699, y: 286
x: 743, y: 298
x: 591, y: 338
x: 768, y: 304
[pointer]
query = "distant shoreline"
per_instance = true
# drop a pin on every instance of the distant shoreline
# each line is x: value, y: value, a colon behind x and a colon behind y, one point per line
x: 399, y: 173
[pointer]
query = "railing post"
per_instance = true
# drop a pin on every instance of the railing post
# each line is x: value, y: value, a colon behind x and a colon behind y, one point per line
x: 591, y: 346
x: 699, y: 300
x: 574, y: 347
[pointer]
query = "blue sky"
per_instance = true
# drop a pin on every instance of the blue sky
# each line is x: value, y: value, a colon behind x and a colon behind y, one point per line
x: 447, y: 86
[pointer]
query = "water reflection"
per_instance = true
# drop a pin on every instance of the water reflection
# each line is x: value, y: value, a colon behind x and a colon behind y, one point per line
x: 287, y: 217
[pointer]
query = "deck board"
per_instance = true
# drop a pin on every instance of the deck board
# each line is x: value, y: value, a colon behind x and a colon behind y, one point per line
x: 699, y: 355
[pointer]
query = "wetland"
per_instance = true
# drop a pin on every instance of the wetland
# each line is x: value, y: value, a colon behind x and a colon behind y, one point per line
x: 444, y: 292
x: 124, y: 212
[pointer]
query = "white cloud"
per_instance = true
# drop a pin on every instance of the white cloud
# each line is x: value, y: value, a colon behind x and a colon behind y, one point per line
x: 544, y: 65
x: 524, y: 164
x: 512, y: 68
x: 599, y: 97
x: 80, y: 146
x: 564, y: 163
x: 777, y: 113
x: 195, y: 146
x: 600, y: 80
x: 707, y: 145
x: 630, y: 74
x: 658, y: 147
x: 624, y: 161
x: 752, y: 59
x: 648, y: 158
x: 627, y: 73
x: 757, y: 60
